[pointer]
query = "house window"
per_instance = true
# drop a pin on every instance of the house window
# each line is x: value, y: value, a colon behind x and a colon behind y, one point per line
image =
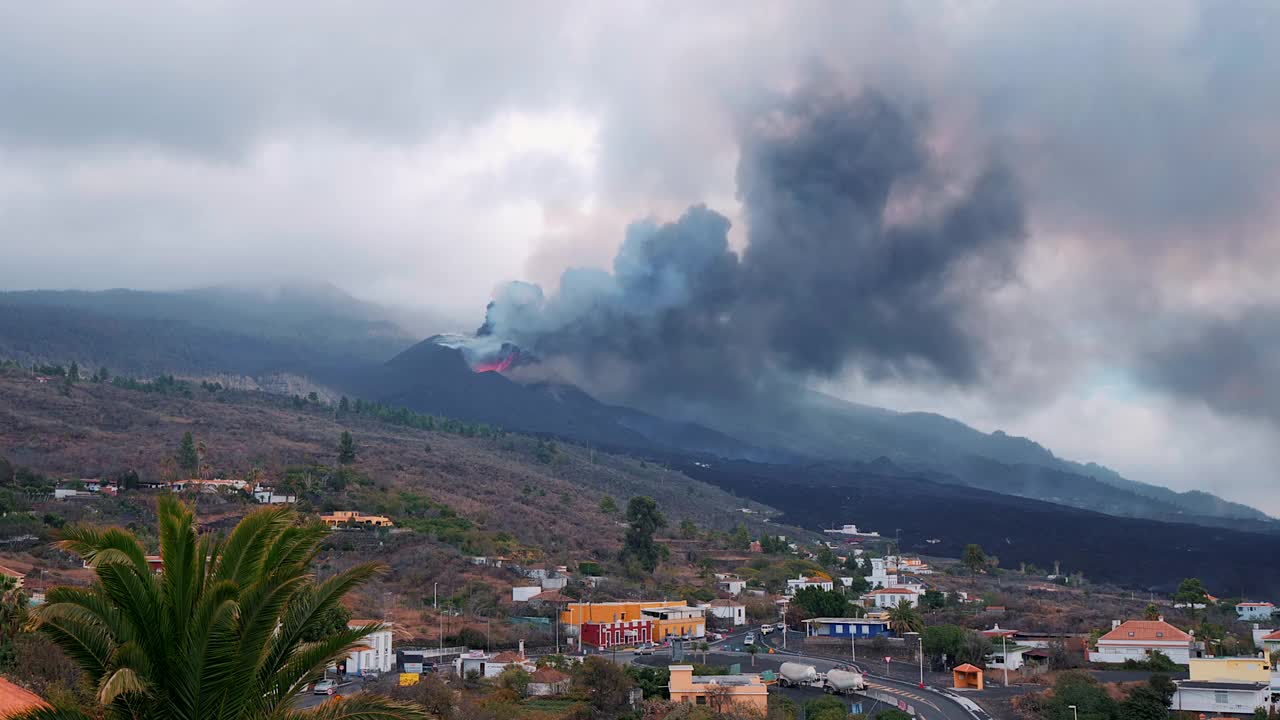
x: 1159, y: 634
x: 1220, y: 697
x: 1130, y: 634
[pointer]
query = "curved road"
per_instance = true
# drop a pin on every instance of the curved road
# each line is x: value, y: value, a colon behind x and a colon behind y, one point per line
x: 930, y: 703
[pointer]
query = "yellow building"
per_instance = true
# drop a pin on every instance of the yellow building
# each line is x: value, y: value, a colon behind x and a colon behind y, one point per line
x: 339, y: 518
x: 718, y: 691
x: 680, y: 621
x: 606, y: 612
x: 1231, y: 669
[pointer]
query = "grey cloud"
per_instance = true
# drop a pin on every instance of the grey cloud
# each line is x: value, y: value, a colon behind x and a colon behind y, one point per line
x: 1231, y: 364
x: 826, y: 281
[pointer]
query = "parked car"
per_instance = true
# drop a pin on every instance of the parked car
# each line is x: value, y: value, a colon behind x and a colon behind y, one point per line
x: 325, y: 687
x: 766, y: 629
x: 645, y: 649
x: 750, y: 639
x: 781, y: 626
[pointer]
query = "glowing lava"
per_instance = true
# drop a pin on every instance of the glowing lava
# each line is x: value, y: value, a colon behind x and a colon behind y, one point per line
x: 496, y: 365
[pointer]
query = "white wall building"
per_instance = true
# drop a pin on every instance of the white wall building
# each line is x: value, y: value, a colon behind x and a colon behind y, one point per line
x: 731, y: 585
x: 727, y: 610
x: 889, y: 597
x: 1137, y: 639
x: 374, y: 654
x: 1220, y: 698
x: 1249, y: 611
x: 268, y: 496
x: 522, y: 594
x: 805, y: 582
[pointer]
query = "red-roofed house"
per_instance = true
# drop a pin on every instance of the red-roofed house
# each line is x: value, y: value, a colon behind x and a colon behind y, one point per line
x: 818, y: 581
x: 548, y: 681
x: 1137, y: 639
x: 1271, y: 642
x: 15, y: 700
x: 889, y: 597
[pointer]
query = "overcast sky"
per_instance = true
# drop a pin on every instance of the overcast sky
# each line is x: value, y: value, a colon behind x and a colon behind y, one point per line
x: 419, y: 154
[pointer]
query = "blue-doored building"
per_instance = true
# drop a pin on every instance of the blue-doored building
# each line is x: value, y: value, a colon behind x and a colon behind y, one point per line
x: 846, y: 627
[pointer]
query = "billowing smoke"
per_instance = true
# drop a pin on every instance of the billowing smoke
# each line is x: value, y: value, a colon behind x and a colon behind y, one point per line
x: 861, y: 254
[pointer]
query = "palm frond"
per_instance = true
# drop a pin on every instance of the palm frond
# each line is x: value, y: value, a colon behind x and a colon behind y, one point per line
x: 98, y: 546
x: 123, y: 680
x: 361, y: 707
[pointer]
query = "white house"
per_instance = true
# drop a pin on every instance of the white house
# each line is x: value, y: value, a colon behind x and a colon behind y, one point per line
x: 1137, y: 639
x: 730, y: 584
x: 1249, y: 611
x: 1006, y: 655
x: 547, y: 681
x: 522, y: 594
x: 729, y: 610
x: 802, y: 582
x: 490, y: 666
x: 889, y: 597
x: 375, y: 654
x: 554, y: 582
x: 1269, y: 641
x: 268, y: 496
x: 1220, y: 698
x: 64, y: 493
x: 538, y: 572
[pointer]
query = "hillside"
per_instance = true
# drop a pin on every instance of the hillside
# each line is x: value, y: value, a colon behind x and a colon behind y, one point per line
x: 501, y: 484
x: 940, y: 519
x: 298, y: 340
x: 316, y: 331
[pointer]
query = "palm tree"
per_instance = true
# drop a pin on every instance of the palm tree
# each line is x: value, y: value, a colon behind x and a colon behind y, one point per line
x: 217, y: 633
x: 904, y: 618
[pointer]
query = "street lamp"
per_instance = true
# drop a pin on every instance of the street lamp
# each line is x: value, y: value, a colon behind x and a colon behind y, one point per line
x: 921, y: 638
x: 1075, y: 715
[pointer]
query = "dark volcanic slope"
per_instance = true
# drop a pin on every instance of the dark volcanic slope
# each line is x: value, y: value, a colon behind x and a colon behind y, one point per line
x: 432, y: 378
x: 1126, y: 551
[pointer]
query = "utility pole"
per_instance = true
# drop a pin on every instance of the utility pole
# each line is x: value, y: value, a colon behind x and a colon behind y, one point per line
x: 435, y: 597
x: 784, y: 625
x: 1004, y: 661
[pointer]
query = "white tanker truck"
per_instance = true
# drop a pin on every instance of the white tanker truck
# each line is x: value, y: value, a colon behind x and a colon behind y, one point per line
x: 843, y: 682
x: 840, y: 681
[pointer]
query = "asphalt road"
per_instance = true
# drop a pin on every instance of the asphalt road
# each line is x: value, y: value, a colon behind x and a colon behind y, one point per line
x: 310, y: 700
x: 929, y: 703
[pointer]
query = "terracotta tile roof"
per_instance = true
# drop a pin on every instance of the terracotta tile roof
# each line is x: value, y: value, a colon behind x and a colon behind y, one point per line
x: 967, y: 668
x: 15, y: 700
x: 551, y: 596
x: 1146, y: 630
x: 1274, y: 635
x: 360, y: 648
x: 1254, y: 605
x: 894, y: 591
x: 548, y: 675
x: 354, y: 623
x: 11, y: 572
x: 507, y: 657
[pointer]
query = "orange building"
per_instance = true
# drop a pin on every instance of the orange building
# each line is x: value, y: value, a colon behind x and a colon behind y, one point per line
x: 606, y: 612
x: 718, y: 691
x: 339, y: 518
x: 670, y: 617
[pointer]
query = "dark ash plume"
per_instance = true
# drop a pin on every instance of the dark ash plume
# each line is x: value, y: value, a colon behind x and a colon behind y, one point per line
x: 832, y: 277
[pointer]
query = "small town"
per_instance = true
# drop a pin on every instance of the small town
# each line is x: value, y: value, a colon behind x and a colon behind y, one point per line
x: 646, y: 360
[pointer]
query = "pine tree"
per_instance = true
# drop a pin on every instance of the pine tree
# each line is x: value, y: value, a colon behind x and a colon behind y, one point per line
x: 346, y: 449
x: 188, y: 458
